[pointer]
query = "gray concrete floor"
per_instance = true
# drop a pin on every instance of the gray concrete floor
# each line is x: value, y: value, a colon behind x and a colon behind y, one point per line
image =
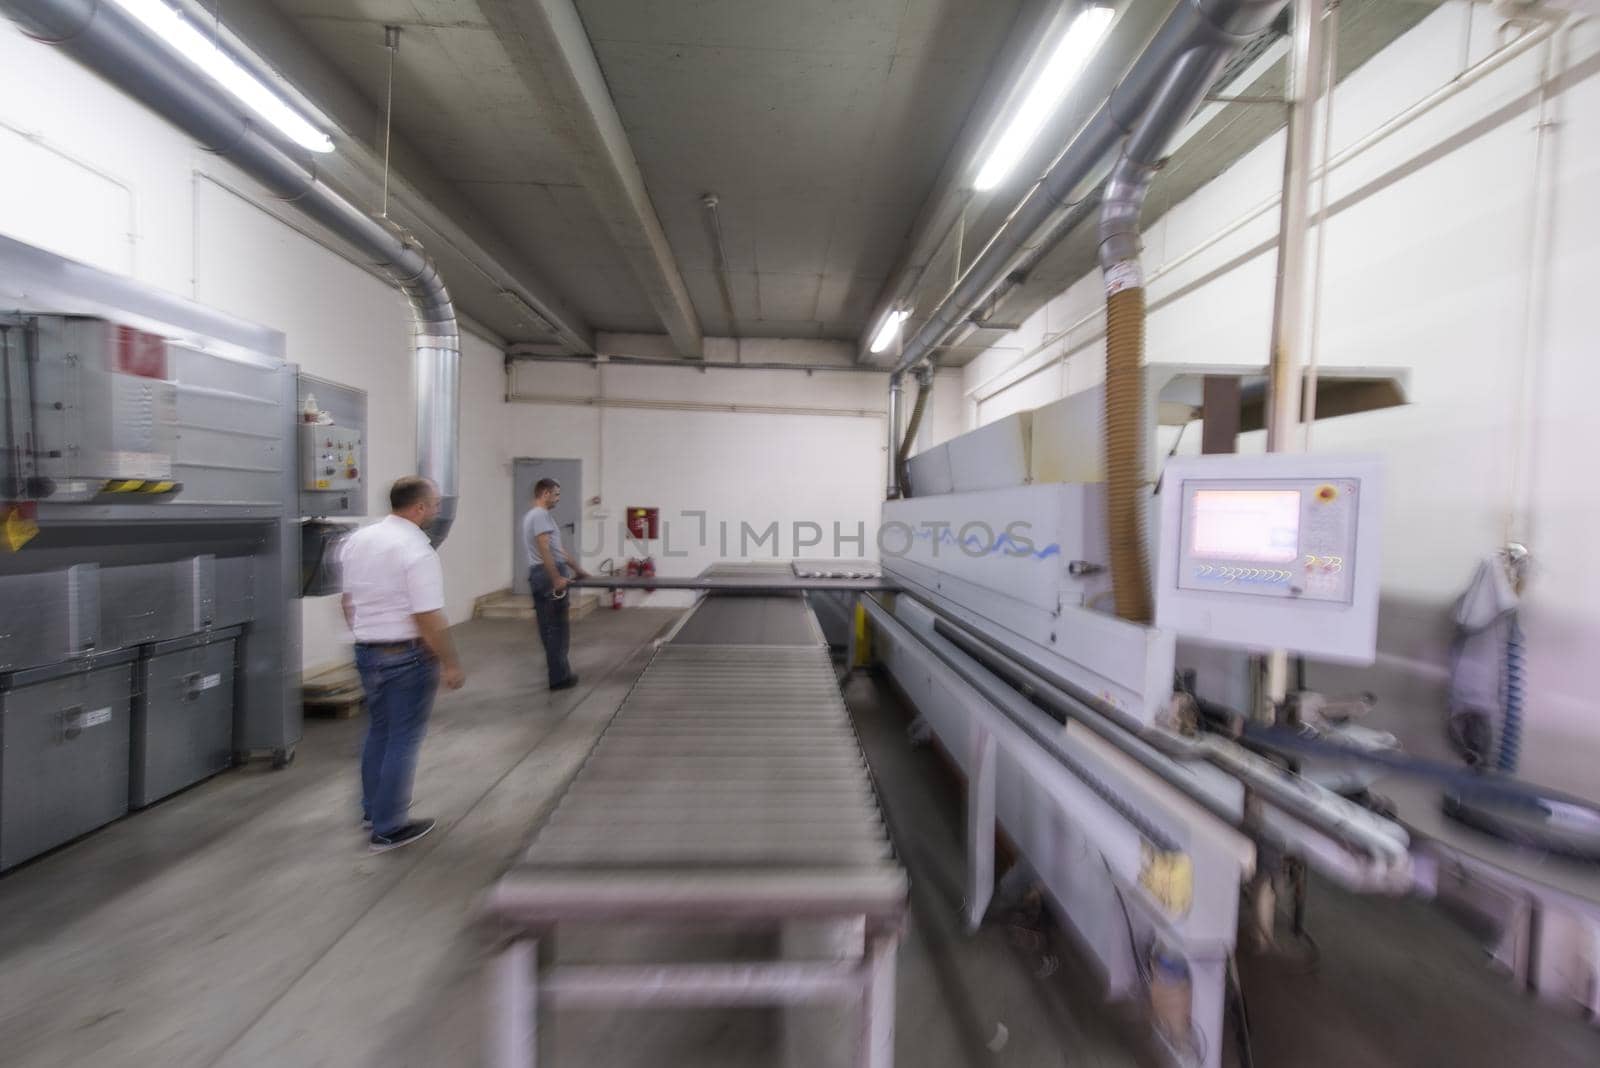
x: 242, y: 923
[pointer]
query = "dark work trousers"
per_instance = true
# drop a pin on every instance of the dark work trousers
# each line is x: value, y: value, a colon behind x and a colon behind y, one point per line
x: 551, y: 612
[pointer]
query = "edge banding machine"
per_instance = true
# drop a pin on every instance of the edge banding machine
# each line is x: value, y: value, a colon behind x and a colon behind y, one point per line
x: 1153, y: 818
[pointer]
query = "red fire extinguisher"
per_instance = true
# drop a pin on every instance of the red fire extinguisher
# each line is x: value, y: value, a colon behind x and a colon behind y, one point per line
x: 633, y: 567
x: 647, y: 567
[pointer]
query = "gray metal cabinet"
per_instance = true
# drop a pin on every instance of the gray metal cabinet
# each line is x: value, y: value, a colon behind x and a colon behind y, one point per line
x: 182, y: 715
x: 63, y: 752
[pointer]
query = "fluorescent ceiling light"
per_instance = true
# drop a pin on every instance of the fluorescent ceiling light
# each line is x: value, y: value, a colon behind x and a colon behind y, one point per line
x: 200, y: 50
x: 1066, y: 62
x: 889, y: 330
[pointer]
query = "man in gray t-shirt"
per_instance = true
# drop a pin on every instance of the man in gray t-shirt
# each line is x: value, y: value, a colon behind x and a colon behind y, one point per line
x: 550, y: 566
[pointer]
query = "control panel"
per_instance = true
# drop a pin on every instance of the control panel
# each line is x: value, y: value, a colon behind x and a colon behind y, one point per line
x: 330, y: 458
x: 1276, y: 551
x: 333, y: 450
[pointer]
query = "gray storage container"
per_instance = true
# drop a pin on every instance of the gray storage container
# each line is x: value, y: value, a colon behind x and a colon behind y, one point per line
x: 182, y: 715
x: 63, y: 752
x: 144, y: 603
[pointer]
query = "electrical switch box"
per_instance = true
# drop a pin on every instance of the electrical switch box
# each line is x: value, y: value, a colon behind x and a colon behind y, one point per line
x: 330, y: 458
x: 333, y: 449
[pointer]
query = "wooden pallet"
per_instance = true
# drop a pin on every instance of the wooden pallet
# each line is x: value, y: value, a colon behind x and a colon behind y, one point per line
x: 333, y: 694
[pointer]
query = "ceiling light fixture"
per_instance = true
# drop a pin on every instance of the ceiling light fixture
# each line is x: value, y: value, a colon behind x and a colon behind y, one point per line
x: 1066, y: 62
x: 889, y: 330
x: 223, y: 69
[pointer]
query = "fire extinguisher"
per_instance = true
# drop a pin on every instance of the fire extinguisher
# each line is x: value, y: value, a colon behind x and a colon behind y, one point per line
x: 633, y: 567
x: 647, y: 567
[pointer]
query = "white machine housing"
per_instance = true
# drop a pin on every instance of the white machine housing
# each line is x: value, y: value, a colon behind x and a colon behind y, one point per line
x: 1276, y: 551
x: 1032, y: 561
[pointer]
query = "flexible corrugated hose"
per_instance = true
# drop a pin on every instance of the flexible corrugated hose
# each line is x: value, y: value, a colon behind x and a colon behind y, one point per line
x: 1512, y: 687
x: 924, y: 387
x: 1124, y: 442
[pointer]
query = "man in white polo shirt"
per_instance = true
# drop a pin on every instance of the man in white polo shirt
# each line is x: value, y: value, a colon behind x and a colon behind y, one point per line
x: 394, y: 603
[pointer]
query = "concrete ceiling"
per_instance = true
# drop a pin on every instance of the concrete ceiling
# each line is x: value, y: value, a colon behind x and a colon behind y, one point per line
x: 821, y: 125
x: 576, y: 139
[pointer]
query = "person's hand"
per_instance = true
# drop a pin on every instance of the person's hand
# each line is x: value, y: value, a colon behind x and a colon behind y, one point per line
x: 584, y: 574
x: 560, y: 585
x: 454, y: 677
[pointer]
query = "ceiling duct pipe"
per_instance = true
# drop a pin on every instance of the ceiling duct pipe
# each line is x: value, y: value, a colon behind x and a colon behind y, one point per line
x: 1218, y: 24
x: 1122, y: 204
x: 110, y: 42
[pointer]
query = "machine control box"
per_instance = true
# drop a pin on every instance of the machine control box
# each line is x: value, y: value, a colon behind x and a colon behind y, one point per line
x: 333, y: 448
x: 330, y: 458
x: 1272, y: 539
x: 1276, y: 551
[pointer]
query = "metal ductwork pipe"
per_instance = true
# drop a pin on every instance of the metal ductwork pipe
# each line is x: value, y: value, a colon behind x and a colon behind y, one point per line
x: 1224, y: 24
x: 896, y: 398
x: 914, y: 424
x: 114, y: 45
x: 1121, y: 206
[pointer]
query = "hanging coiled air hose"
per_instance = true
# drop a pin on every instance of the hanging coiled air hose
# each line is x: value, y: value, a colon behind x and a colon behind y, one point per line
x: 1511, y: 686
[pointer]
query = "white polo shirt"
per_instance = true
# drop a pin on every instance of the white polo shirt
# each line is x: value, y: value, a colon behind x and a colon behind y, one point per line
x: 390, y: 573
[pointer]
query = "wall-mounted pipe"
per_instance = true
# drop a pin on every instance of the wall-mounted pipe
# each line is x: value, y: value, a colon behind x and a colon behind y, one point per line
x: 896, y: 398
x: 114, y: 45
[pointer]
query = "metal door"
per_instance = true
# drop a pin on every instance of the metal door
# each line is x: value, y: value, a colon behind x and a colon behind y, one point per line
x: 569, y: 513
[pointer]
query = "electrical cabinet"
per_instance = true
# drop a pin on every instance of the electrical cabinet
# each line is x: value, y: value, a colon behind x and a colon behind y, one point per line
x: 333, y: 449
x: 330, y: 458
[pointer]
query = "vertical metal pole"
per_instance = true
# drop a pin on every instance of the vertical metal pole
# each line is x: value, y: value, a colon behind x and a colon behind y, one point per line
x: 895, y: 390
x: 1289, y: 297
x: 514, y: 1006
x: 876, y: 1042
x: 980, y: 825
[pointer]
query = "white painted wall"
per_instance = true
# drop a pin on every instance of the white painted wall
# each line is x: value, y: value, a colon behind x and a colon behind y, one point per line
x: 1427, y: 267
x: 745, y: 447
x: 96, y: 177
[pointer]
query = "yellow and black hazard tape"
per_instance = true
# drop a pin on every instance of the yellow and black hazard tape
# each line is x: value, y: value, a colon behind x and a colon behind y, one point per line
x: 139, y: 485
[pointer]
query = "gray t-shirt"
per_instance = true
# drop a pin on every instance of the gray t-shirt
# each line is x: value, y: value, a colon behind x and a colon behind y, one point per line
x: 540, y: 521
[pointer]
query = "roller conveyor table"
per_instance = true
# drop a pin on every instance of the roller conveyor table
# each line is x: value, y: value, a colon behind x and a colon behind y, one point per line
x: 729, y: 786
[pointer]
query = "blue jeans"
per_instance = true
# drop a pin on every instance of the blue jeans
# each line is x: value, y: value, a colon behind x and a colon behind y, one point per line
x: 399, y: 688
x: 551, y: 611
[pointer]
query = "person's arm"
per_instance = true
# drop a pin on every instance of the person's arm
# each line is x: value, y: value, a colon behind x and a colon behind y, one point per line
x: 577, y: 568
x: 435, y: 631
x: 349, y: 608
x: 548, y: 558
x: 425, y: 589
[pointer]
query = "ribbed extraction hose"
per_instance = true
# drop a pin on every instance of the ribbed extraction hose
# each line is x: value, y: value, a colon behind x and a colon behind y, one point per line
x: 1512, y: 684
x: 903, y: 455
x: 1124, y: 443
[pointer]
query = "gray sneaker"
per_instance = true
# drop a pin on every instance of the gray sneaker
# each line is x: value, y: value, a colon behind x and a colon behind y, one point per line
x: 382, y: 843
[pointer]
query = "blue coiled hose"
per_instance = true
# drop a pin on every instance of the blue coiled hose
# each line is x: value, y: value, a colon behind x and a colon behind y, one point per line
x: 1512, y: 684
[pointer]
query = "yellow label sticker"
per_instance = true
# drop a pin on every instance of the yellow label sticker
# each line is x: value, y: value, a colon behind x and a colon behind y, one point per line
x: 1168, y: 876
x: 322, y: 483
x: 158, y: 487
